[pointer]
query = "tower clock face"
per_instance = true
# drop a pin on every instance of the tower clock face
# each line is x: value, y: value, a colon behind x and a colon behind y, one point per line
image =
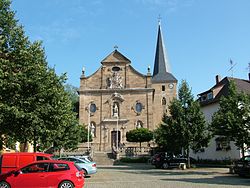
x: 171, y: 86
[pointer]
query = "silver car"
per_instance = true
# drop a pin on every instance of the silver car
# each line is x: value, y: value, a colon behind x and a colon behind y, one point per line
x: 88, y: 167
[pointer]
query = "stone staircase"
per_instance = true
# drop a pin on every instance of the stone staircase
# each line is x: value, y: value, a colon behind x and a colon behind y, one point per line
x: 103, y: 158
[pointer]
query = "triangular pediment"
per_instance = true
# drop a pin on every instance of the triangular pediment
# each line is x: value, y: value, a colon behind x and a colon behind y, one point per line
x: 115, y: 57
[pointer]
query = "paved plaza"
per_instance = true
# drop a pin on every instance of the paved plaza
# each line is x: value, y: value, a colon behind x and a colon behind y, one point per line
x: 146, y: 176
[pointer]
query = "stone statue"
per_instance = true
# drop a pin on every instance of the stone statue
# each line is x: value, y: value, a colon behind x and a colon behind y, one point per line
x: 115, y: 110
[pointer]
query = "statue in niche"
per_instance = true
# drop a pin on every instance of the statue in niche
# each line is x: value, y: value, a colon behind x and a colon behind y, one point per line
x: 115, y: 110
x: 139, y: 124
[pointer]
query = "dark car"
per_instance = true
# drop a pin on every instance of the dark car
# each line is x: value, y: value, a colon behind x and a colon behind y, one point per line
x: 164, y: 160
x: 242, y: 166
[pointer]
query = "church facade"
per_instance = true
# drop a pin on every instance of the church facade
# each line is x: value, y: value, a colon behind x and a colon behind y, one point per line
x: 117, y: 98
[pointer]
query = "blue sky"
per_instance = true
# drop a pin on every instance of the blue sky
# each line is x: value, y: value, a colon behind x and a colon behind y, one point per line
x: 201, y: 36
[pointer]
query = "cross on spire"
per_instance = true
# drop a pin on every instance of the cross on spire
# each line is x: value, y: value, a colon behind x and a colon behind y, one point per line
x: 115, y: 47
x: 159, y: 19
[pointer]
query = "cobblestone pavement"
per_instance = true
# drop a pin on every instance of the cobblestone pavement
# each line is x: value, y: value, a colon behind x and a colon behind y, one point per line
x: 146, y: 176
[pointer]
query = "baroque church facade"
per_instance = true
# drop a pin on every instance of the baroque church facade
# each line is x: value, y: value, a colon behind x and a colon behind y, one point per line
x: 117, y: 98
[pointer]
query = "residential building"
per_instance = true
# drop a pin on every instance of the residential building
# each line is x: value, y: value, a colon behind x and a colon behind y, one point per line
x: 219, y: 147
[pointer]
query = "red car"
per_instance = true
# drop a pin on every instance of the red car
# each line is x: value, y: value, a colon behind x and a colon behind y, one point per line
x: 42, y: 174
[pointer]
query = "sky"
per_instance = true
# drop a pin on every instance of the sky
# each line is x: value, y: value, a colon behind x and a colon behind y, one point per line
x: 200, y: 36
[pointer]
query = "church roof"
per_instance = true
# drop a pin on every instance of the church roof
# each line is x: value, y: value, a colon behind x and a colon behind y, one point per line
x: 161, y: 65
x: 115, y: 57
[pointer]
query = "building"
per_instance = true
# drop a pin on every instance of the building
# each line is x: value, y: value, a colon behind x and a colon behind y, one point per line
x: 219, y: 148
x: 117, y: 98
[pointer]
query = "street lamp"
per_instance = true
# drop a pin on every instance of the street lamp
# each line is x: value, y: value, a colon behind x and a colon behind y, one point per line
x: 88, y: 125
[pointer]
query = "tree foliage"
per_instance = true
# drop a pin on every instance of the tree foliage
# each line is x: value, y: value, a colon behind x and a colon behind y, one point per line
x: 139, y: 135
x: 185, y: 128
x: 233, y: 117
x: 34, y: 106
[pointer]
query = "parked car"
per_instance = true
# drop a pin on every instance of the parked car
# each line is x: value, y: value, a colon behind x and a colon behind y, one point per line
x: 13, y: 161
x: 242, y: 166
x: 88, y: 167
x: 84, y: 157
x: 164, y: 160
x: 47, y: 173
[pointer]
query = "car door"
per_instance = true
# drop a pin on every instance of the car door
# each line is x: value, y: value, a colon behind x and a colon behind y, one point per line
x: 34, y: 175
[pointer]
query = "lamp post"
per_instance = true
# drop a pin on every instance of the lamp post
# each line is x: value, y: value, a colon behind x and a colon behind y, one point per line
x: 88, y: 125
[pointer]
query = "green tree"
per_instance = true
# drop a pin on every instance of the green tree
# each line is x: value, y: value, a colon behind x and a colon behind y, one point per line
x: 74, y: 97
x: 139, y: 135
x: 185, y: 128
x: 233, y: 117
x: 34, y: 106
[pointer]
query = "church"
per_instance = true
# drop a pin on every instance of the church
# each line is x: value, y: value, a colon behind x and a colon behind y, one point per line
x: 117, y: 98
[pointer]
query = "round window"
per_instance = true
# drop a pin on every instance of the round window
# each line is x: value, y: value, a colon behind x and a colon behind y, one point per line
x: 92, y: 108
x: 138, y: 107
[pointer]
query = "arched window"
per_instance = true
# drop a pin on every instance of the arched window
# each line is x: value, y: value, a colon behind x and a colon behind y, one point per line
x: 164, y: 101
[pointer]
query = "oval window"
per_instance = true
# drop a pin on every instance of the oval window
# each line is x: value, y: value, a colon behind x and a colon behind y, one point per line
x: 92, y: 108
x: 116, y: 69
x: 138, y: 107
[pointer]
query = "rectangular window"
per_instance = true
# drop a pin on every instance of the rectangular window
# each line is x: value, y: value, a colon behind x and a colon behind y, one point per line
x: 210, y: 96
x: 163, y: 88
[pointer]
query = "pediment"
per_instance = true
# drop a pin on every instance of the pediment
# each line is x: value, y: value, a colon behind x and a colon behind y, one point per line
x: 115, y: 57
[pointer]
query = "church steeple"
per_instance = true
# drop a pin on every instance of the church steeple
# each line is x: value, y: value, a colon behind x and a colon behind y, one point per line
x: 161, y: 65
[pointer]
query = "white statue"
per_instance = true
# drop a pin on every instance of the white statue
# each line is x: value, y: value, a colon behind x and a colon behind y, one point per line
x: 115, y: 110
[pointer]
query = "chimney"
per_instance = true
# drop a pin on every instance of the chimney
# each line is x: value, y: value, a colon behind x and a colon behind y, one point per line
x: 249, y: 76
x: 218, y: 79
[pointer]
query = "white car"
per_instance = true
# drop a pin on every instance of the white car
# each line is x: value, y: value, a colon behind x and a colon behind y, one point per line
x: 88, y: 167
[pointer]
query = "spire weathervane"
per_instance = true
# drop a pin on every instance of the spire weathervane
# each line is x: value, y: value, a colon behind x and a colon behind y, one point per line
x: 115, y: 47
x: 159, y: 19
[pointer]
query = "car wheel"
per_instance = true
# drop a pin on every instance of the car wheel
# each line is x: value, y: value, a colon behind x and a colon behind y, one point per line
x: 66, y: 184
x: 157, y: 166
x: 165, y: 165
x: 4, y: 184
x: 85, y: 172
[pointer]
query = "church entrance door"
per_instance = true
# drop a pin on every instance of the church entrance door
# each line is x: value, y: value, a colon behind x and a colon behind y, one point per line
x: 114, y: 138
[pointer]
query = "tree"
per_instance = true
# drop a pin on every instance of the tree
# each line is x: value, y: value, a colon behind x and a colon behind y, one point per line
x: 233, y: 117
x: 74, y: 97
x: 185, y: 128
x: 139, y: 135
x: 34, y: 106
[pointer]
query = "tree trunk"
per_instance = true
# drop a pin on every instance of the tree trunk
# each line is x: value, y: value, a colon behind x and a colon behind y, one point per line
x: 34, y: 141
x: 140, y: 146
x: 188, y: 158
x: 242, y: 150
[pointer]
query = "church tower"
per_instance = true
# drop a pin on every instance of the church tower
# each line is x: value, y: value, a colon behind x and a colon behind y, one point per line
x: 164, y: 83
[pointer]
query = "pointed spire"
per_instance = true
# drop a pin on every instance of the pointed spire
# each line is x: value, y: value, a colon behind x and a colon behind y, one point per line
x: 161, y: 65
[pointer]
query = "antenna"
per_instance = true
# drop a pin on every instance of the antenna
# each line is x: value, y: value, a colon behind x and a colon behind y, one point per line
x: 232, y: 65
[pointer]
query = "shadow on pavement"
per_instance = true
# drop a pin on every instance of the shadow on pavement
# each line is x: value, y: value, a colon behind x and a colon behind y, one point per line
x: 216, y: 180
